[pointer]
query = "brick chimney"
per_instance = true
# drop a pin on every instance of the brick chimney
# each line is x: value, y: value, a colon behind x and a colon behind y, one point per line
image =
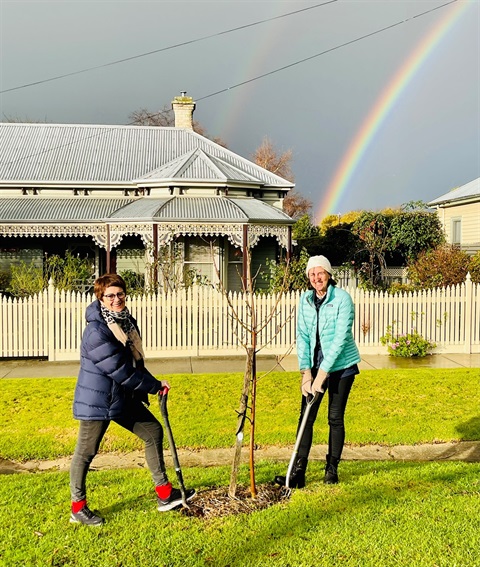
x: 183, y: 107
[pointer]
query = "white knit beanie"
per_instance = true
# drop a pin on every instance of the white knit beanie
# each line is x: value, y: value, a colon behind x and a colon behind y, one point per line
x: 319, y: 262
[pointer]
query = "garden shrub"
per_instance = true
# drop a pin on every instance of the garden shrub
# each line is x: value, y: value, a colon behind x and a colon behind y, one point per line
x: 5, y: 277
x: 134, y: 281
x: 398, y: 287
x: 26, y: 279
x: 441, y: 267
x: 474, y: 268
x: 70, y: 273
x: 283, y: 276
x: 406, y: 345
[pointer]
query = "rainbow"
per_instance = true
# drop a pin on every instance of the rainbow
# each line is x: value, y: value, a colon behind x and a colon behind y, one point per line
x: 380, y: 110
x: 255, y: 55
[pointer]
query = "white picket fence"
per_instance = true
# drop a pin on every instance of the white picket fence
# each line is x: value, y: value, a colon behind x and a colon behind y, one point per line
x: 349, y: 278
x: 201, y: 322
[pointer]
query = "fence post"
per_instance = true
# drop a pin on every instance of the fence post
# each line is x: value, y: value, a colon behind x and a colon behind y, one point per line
x: 51, y: 310
x: 468, y: 313
x: 196, y: 315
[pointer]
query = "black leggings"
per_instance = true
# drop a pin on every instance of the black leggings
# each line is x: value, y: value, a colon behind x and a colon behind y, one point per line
x: 338, y: 392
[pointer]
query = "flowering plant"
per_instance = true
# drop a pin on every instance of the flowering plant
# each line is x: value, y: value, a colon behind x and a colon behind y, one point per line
x: 406, y: 345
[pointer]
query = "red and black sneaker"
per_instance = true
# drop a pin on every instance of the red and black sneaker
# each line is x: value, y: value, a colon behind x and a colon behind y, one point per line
x: 87, y: 517
x: 174, y: 498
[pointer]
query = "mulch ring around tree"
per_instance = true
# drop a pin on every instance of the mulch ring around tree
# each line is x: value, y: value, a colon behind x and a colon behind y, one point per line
x: 216, y: 503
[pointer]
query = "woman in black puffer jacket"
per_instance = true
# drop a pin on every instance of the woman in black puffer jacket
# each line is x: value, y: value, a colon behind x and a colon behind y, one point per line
x: 113, y: 385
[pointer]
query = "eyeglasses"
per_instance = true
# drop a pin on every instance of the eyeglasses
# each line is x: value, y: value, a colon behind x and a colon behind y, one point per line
x: 112, y: 296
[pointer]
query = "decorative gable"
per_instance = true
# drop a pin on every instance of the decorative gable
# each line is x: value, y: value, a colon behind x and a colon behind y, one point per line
x: 198, y: 167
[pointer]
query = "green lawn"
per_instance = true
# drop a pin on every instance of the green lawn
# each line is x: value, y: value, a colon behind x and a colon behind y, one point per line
x: 382, y: 514
x: 389, y: 407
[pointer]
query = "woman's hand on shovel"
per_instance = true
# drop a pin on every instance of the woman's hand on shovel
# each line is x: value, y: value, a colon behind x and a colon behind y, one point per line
x: 165, y: 387
x: 306, y: 386
x: 320, y: 383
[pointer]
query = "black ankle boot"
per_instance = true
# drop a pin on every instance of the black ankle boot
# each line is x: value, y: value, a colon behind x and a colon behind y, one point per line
x: 331, y: 474
x: 297, y: 476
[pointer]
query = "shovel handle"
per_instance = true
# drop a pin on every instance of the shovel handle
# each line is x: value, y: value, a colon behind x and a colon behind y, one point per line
x: 311, y: 399
x: 162, y: 398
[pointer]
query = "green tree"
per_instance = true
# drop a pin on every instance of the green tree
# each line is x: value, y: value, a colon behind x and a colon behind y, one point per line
x: 306, y: 236
x: 373, y: 240
x: 413, y: 232
x: 373, y: 232
x: 331, y: 221
x: 339, y: 244
x: 418, y: 205
x: 303, y: 228
x: 5, y: 277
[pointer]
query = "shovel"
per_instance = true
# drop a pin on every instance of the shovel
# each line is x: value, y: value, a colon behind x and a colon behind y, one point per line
x: 310, y: 401
x: 163, y: 410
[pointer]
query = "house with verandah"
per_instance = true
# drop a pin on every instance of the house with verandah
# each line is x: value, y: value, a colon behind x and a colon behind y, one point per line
x: 122, y: 195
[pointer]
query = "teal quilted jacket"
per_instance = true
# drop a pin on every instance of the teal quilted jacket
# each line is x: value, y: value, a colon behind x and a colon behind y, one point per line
x: 335, y: 321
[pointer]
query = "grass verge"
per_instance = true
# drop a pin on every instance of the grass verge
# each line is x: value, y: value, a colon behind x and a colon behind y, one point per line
x: 382, y: 513
x: 386, y: 514
x: 390, y: 407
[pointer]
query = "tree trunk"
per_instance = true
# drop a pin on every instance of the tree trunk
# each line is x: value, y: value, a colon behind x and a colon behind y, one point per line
x: 253, y: 487
x: 242, y: 412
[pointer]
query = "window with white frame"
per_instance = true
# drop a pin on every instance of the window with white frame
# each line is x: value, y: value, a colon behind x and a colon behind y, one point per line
x: 457, y: 231
x: 200, y: 254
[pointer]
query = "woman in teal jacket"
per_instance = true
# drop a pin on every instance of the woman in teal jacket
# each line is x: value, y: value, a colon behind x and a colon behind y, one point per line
x: 328, y: 359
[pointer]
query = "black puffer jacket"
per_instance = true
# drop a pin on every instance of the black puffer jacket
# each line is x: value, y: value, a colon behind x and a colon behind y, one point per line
x: 107, y: 372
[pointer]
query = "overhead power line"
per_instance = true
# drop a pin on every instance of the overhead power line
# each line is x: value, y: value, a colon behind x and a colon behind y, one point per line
x: 300, y: 61
x: 175, y: 46
x: 263, y: 75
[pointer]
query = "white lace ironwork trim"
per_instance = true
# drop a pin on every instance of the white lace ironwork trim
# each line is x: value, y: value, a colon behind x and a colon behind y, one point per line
x: 166, y: 232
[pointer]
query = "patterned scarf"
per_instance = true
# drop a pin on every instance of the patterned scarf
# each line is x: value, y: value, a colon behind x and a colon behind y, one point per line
x: 121, y: 325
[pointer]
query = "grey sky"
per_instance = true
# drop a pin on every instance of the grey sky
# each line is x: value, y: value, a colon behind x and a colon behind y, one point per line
x: 427, y: 144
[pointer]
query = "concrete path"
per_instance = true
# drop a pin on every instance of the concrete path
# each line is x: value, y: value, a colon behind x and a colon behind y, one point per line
x: 463, y: 451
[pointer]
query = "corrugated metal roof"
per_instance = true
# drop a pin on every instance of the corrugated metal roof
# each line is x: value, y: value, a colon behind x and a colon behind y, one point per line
x: 37, y: 209
x: 194, y: 209
x: 468, y: 191
x: 51, y: 209
x: 257, y: 210
x: 56, y: 153
x: 145, y: 208
x: 218, y: 209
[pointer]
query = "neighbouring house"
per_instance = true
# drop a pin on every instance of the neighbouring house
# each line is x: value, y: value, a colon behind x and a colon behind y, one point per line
x: 135, y: 196
x: 459, y: 212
